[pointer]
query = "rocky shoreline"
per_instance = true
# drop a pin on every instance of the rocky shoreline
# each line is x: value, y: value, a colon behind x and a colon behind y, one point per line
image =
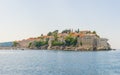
x: 69, y: 48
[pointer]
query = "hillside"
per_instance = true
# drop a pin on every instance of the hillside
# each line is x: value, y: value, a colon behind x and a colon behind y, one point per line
x: 66, y: 40
x: 6, y: 44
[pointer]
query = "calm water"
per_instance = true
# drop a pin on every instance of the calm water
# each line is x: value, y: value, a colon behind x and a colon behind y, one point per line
x: 46, y: 62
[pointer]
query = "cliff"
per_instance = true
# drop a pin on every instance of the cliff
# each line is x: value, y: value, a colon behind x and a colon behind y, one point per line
x: 66, y: 40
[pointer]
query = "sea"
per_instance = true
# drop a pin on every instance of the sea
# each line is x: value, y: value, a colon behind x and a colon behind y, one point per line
x: 58, y: 62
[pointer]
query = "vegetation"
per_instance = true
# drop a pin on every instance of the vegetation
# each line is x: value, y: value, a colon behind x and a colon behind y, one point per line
x: 81, y: 43
x: 40, y: 43
x: 41, y: 34
x: 47, y: 39
x: 15, y: 44
x: 29, y: 44
x: 94, y: 32
x: 57, y: 43
x: 49, y: 34
x: 55, y: 32
x: 66, y: 31
x: 98, y: 36
x: 77, y: 31
x: 70, y: 41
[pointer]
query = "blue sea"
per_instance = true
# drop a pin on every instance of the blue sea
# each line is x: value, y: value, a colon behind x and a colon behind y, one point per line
x: 54, y: 62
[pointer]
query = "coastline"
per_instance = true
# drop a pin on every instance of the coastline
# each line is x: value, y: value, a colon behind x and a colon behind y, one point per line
x: 15, y: 48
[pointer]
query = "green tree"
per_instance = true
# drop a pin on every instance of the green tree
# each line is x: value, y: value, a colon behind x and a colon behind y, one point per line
x: 94, y: 32
x: 47, y: 39
x: 41, y: 34
x: 55, y: 34
x: 49, y: 34
x: 15, y: 44
x: 70, y: 41
x: 29, y: 44
x: 66, y: 31
x: 81, y: 43
x: 77, y: 31
x: 39, y: 43
x: 57, y: 43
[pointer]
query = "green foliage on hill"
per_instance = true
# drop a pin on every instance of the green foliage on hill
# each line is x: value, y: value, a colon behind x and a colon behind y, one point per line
x: 66, y: 31
x: 49, y: 34
x: 15, y: 44
x: 30, y: 44
x: 57, y: 43
x: 81, y: 43
x: 53, y: 33
x: 94, y: 32
x: 40, y: 43
x: 77, y: 31
x: 70, y: 41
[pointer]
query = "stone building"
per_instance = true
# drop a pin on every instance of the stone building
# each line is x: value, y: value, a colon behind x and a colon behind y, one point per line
x: 92, y: 42
x: 88, y: 41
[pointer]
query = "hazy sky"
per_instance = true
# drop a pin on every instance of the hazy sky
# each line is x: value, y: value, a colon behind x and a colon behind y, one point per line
x: 21, y: 19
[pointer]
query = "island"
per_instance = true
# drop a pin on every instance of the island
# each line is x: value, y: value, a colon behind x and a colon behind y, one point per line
x: 65, y: 40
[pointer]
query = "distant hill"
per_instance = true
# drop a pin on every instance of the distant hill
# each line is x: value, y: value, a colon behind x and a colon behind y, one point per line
x: 6, y: 44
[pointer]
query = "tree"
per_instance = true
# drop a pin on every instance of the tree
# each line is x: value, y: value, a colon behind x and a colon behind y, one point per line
x: 77, y: 31
x: 39, y: 43
x: 47, y: 39
x: 81, y: 43
x: 41, y: 34
x: 66, y: 31
x: 55, y: 34
x: 29, y: 44
x: 15, y: 44
x: 70, y: 41
x: 94, y: 32
x: 57, y: 43
x: 49, y: 34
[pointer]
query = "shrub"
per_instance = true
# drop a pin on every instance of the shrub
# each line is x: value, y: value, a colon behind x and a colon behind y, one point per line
x: 57, y: 43
x: 94, y: 32
x: 15, y: 44
x: 49, y: 34
x: 66, y: 31
x: 70, y: 41
x: 81, y: 43
x: 39, y: 43
x: 29, y: 44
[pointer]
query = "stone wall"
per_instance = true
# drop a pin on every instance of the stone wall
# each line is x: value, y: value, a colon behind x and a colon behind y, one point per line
x: 102, y: 44
x: 92, y: 43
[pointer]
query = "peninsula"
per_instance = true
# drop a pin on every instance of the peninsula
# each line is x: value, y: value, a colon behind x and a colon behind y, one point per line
x: 66, y: 40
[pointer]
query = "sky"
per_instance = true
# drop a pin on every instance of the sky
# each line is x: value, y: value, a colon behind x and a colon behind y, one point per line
x: 21, y: 19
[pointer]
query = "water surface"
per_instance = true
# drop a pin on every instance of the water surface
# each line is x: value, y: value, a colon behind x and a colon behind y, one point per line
x: 48, y: 62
